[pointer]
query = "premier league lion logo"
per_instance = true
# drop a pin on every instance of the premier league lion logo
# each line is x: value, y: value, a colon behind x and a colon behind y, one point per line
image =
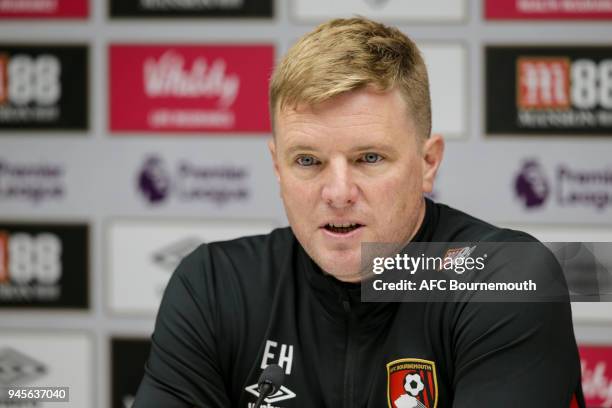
x: 531, y: 185
x: 153, y: 180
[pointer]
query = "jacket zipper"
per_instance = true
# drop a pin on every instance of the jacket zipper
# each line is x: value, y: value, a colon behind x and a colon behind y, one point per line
x: 348, y: 360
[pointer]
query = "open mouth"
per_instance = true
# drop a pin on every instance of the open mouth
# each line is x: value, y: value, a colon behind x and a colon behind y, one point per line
x: 342, y: 228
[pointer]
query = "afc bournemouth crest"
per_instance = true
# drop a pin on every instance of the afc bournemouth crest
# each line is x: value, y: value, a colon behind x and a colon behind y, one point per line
x: 412, y: 383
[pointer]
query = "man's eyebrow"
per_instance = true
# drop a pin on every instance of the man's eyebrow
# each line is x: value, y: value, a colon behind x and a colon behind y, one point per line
x: 298, y: 148
x: 372, y: 147
x: 362, y: 148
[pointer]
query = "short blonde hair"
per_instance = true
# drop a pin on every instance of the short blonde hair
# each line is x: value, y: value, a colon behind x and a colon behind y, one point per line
x: 342, y: 55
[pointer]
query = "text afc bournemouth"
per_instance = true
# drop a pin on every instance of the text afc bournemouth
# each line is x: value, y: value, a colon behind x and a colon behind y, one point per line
x: 453, y: 285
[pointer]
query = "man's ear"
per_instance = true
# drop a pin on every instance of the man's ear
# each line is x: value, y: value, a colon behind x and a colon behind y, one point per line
x: 433, y: 151
x: 272, y: 147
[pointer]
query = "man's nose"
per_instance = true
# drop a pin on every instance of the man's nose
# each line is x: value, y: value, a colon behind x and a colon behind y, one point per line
x: 339, y: 189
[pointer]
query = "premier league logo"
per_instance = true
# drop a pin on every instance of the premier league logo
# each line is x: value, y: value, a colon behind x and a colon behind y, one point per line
x: 412, y: 383
x: 531, y: 185
x: 153, y: 180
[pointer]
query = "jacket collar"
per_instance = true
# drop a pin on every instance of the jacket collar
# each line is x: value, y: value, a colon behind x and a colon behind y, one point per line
x: 334, y: 294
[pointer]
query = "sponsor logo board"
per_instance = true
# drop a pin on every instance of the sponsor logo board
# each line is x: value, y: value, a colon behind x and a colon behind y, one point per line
x: 596, y: 366
x: 44, y: 265
x: 47, y: 359
x: 128, y: 358
x: 33, y: 182
x: 548, y: 90
x: 144, y: 253
x: 537, y: 186
x: 448, y: 88
x: 393, y: 10
x: 186, y: 181
x: 191, y: 8
x: 44, y: 9
x: 43, y: 87
x: 548, y: 9
x: 545, y: 186
x: 190, y: 88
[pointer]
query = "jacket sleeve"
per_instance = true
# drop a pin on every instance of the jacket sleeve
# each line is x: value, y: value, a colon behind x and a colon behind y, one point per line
x: 183, y: 368
x: 517, y: 355
x: 520, y: 353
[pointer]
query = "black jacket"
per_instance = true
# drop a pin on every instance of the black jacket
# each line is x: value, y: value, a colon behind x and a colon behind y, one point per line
x: 233, y: 307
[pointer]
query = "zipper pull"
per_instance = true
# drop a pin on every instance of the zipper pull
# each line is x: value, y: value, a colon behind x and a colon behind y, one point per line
x: 346, y: 305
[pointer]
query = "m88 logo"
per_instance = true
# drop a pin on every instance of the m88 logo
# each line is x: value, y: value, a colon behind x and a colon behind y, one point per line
x: 44, y: 265
x: 26, y: 79
x: 43, y: 87
x: 25, y: 258
x: 550, y: 90
x: 559, y: 83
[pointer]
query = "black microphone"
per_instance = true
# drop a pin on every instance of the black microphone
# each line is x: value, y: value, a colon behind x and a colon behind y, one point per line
x: 269, y: 382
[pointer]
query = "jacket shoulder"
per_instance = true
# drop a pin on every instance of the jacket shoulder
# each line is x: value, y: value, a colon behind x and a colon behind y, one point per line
x: 456, y: 225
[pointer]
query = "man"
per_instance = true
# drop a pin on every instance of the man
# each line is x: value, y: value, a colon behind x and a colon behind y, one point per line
x: 354, y: 157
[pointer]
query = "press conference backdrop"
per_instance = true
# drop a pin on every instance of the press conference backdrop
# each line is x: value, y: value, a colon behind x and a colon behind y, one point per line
x: 131, y: 131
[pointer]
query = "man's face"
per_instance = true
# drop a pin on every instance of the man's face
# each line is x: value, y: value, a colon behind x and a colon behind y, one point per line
x: 350, y: 171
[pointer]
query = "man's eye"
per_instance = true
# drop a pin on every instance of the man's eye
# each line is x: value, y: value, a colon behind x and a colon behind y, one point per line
x: 306, y: 161
x: 371, y: 158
